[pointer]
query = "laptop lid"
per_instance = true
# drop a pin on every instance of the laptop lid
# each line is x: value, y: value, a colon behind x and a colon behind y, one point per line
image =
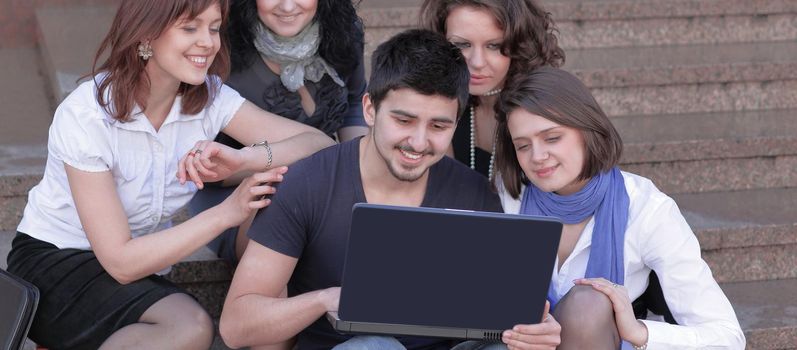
x: 446, y: 273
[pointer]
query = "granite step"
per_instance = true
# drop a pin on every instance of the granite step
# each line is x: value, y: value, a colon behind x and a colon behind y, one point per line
x: 702, y: 152
x: 5, y: 246
x: 14, y: 195
x: 705, y: 29
x: 745, y: 235
x: 404, y: 13
x: 713, y: 175
x: 701, y: 136
x: 623, y: 23
x: 584, y: 34
x: 684, y: 64
x: 206, y: 277
x: 690, y: 78
x: 697, y: 98
x: 767, y: 312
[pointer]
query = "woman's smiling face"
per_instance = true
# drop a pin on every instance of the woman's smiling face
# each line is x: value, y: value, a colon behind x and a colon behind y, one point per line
x: 185, y: 50
x: 551, y: 155
x: 286, y: 18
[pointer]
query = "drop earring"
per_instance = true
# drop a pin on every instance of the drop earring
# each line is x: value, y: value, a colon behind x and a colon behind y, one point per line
x: 145, y: 50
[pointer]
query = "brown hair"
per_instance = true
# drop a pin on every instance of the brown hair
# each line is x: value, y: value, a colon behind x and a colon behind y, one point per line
x: 560, y: 97
x: 529, y: 32
x: 137, y: 21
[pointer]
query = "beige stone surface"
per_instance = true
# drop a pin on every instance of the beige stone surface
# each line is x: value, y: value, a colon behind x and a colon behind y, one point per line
x: 697, y: 98
x: 715, y: 175
x: 674, y: 31
x: 766, y: 311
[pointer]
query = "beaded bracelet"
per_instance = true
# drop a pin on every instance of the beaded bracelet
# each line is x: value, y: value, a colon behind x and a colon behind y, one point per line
x: 265, y: 144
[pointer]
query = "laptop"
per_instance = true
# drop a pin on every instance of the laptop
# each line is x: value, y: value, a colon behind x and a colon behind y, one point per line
x: 444, y: 273
x: 17, y: 307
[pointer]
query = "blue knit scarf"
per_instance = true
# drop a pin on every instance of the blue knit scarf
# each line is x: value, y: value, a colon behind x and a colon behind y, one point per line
x: 605, y: 197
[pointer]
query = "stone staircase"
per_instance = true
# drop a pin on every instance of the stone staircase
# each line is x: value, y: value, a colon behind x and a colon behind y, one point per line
x: 704, y: 93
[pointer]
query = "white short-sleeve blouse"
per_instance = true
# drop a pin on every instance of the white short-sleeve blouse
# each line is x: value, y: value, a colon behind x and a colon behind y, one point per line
x: 143, y: 162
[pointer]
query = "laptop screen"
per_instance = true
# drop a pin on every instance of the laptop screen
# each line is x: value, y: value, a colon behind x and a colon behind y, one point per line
x: 447, y: 268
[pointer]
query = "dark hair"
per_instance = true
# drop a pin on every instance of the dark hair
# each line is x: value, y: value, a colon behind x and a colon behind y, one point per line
x: 529, y: 32
x: 420, y: 60
x: 126, y: 83
x: 560, y: 97
x: 340, y: 29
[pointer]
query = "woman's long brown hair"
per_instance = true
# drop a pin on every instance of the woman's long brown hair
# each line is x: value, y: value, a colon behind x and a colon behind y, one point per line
x: 125, y: 82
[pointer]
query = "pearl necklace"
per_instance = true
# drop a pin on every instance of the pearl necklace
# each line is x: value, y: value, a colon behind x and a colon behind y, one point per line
x: 473, y: 138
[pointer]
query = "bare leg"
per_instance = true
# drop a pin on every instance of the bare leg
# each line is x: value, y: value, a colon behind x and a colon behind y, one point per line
x: 174, y: 322
x: 587, y: 320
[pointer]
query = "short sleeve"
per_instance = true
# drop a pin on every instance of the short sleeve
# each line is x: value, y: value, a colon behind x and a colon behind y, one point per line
x: 283, y: 225
x: 222, y: 109
x: 79, y: 137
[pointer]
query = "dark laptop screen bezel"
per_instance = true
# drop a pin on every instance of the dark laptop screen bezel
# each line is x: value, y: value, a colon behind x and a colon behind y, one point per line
x: 447, y: 268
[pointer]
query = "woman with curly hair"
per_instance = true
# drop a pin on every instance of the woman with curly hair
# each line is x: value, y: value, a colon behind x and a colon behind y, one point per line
x: 302, y: 60
x: 498, y: 39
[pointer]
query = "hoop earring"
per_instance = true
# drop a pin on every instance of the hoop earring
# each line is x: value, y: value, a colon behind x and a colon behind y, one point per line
x: 145, y: 50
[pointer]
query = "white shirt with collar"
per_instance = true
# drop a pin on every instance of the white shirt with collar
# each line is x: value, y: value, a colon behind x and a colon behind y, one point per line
x: 143, y: 163
x: 658, y: 238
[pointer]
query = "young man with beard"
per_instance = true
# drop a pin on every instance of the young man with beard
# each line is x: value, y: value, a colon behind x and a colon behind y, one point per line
x: 290, y: 274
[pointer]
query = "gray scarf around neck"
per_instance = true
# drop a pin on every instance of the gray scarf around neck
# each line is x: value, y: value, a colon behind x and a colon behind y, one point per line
x: 297, y: 56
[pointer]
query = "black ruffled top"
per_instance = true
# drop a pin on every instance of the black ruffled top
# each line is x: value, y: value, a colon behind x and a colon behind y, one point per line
x: 335, y: 106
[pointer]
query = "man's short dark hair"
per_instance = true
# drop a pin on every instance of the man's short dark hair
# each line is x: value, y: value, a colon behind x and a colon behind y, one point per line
x: 420, y: 60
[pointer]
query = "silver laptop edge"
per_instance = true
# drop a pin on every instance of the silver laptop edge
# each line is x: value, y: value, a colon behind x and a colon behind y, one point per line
x: 411, y: 330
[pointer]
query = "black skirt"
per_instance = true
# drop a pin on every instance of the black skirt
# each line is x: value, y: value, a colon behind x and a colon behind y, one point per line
x: 81, y: 305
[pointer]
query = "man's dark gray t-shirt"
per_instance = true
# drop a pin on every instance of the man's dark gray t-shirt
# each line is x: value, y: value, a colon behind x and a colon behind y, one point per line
x: 310, y: 217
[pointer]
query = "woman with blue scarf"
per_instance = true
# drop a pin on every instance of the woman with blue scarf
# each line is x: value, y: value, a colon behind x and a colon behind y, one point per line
x: 557, y: 155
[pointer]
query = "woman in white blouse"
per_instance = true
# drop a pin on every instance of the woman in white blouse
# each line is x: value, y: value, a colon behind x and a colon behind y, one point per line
x: 557, y: 155
x: 126, y: 151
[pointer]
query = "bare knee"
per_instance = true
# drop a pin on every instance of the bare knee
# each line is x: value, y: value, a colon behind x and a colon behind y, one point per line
x: 188, y: 325
x: 587, y: 317
x: 197, y: 330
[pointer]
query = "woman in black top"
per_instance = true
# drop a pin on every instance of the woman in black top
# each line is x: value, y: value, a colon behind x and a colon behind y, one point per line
x: 261, y: 44
x: 497, y: 38
x: 300, y: 59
